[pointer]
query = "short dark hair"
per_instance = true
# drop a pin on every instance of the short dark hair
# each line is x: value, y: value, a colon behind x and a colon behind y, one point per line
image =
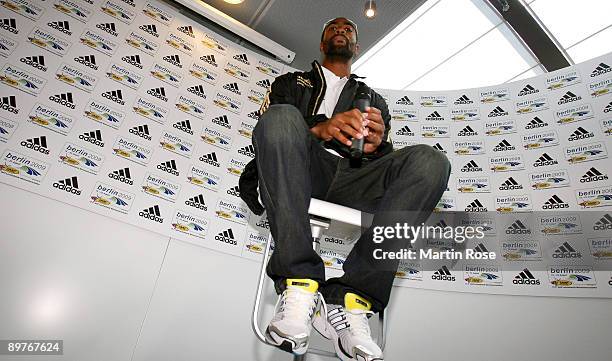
x: 349, y: 21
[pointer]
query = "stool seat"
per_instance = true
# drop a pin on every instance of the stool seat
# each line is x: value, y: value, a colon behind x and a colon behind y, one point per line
x: 335, y: 211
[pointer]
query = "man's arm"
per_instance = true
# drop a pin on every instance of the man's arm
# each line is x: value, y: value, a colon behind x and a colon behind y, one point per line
x: 280, y: 92
x: 379, y: 102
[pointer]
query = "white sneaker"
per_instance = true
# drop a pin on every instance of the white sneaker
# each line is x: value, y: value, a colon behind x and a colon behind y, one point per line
x: 347, y: 326
x: 290, y: 327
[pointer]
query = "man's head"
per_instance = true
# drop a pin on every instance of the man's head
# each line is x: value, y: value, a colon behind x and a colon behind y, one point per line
x: 339, y: 39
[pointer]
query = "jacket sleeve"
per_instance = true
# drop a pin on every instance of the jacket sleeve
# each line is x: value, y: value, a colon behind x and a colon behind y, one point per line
x: 385, y: 146
x: 280, y: 92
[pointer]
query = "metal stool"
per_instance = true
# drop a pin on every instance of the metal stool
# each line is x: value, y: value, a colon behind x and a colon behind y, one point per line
x: 321, y: 214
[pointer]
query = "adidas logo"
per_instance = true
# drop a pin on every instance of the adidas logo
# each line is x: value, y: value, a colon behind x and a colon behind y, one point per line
x: 37, y: 144
x: 608, y: 108
x: 248, y: 150
x: 222, y: 121
x: 169, y: 167
x: 9, y: 25
x: 471, y: 166
x: 122, y: 175
x: 264, y: 83
x: 467, y: 131
x: 159, y: 93
x: 197, y: 90
x: 210, y: 158
x: 580, y: 133
x: 438, y: 147
x: 497, y: 112
x: 593, y: 175
x: 568, y: 98
x: 197, y: 202
x: 263, y: 223
x: 443, y: 274
x: 480, y: 248
x: 475, y: 206
x: 70, y: 185
x: 234, y: 191
x: 517, y: 227
x: 114, y: 95
x: 605, y: 223
x: 149, y: 29
x: 37, y: 62
x: 405, y: 131
x: 528, y: 89
x: 210, y: 59
x: 226, y: 236
x: 108, y: 27
x: 525, y: 278
x: 187, y: 30
x: 435, y: 116
x: 141, y: 131
x: 536, y: 123
x: 87, y: 60
x: 510, y: 184
x: 184, y: 125
x: 63, y: 26
x: 566, y: 251
x: 404, y: 101
x: 602, y: 68
x: 554, y: 202
x: 9, y: 104
x: 441, y: 224
x: 133, y: 59
x: 544, y: 160
x: 152, y: 213
x: 233, y: 87
x: 242, y: 58
x: 174, y: 60
x: 93, y: 137
x: 64, y: 99
x: 503, y: 146
x: 463, y: 100
x: 254, y: 114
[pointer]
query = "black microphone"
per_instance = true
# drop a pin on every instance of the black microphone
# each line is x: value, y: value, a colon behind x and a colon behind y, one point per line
x: 361, y: 102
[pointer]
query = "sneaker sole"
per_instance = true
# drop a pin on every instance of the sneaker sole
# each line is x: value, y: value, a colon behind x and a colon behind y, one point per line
x: 285, y: 344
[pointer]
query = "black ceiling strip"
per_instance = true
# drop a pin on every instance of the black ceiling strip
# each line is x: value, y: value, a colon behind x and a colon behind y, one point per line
x: 532, y: 34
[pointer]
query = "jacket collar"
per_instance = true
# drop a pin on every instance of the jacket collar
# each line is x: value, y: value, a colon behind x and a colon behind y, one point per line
x: 316, y: 67
x: 346, y: 96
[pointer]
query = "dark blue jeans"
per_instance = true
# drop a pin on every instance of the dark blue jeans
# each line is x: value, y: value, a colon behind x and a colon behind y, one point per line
x: 294, y: 167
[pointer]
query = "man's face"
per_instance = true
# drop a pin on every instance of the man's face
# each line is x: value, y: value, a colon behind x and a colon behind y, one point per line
x: 339, y: 40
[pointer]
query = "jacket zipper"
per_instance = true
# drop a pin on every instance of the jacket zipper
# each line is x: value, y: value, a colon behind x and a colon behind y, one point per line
x: 318, y: 67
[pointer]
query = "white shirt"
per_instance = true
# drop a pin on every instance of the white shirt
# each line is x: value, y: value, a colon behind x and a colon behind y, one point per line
x: 334, y: 87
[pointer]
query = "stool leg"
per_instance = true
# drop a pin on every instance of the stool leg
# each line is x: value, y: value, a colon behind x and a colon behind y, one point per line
x: 299, y: 358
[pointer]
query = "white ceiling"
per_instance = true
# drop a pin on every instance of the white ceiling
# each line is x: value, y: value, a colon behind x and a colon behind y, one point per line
x: 297, y: 24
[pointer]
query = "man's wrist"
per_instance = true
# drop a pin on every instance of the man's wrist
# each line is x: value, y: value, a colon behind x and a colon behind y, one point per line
x: 317, y: 128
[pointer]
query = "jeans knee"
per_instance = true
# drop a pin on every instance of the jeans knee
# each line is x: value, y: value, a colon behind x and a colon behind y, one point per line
x: 432, y: 164
x: 281, y: 122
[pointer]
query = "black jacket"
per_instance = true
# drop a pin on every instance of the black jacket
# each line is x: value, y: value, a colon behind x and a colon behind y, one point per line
x: 305, y: 91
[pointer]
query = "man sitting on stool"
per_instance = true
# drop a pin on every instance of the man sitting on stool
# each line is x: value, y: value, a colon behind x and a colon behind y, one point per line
x: 302, y: 145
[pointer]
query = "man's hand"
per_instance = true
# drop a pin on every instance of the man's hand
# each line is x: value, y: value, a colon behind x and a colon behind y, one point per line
x: 374, y: 131
x: 341, y: 126
x: 353, y: 124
